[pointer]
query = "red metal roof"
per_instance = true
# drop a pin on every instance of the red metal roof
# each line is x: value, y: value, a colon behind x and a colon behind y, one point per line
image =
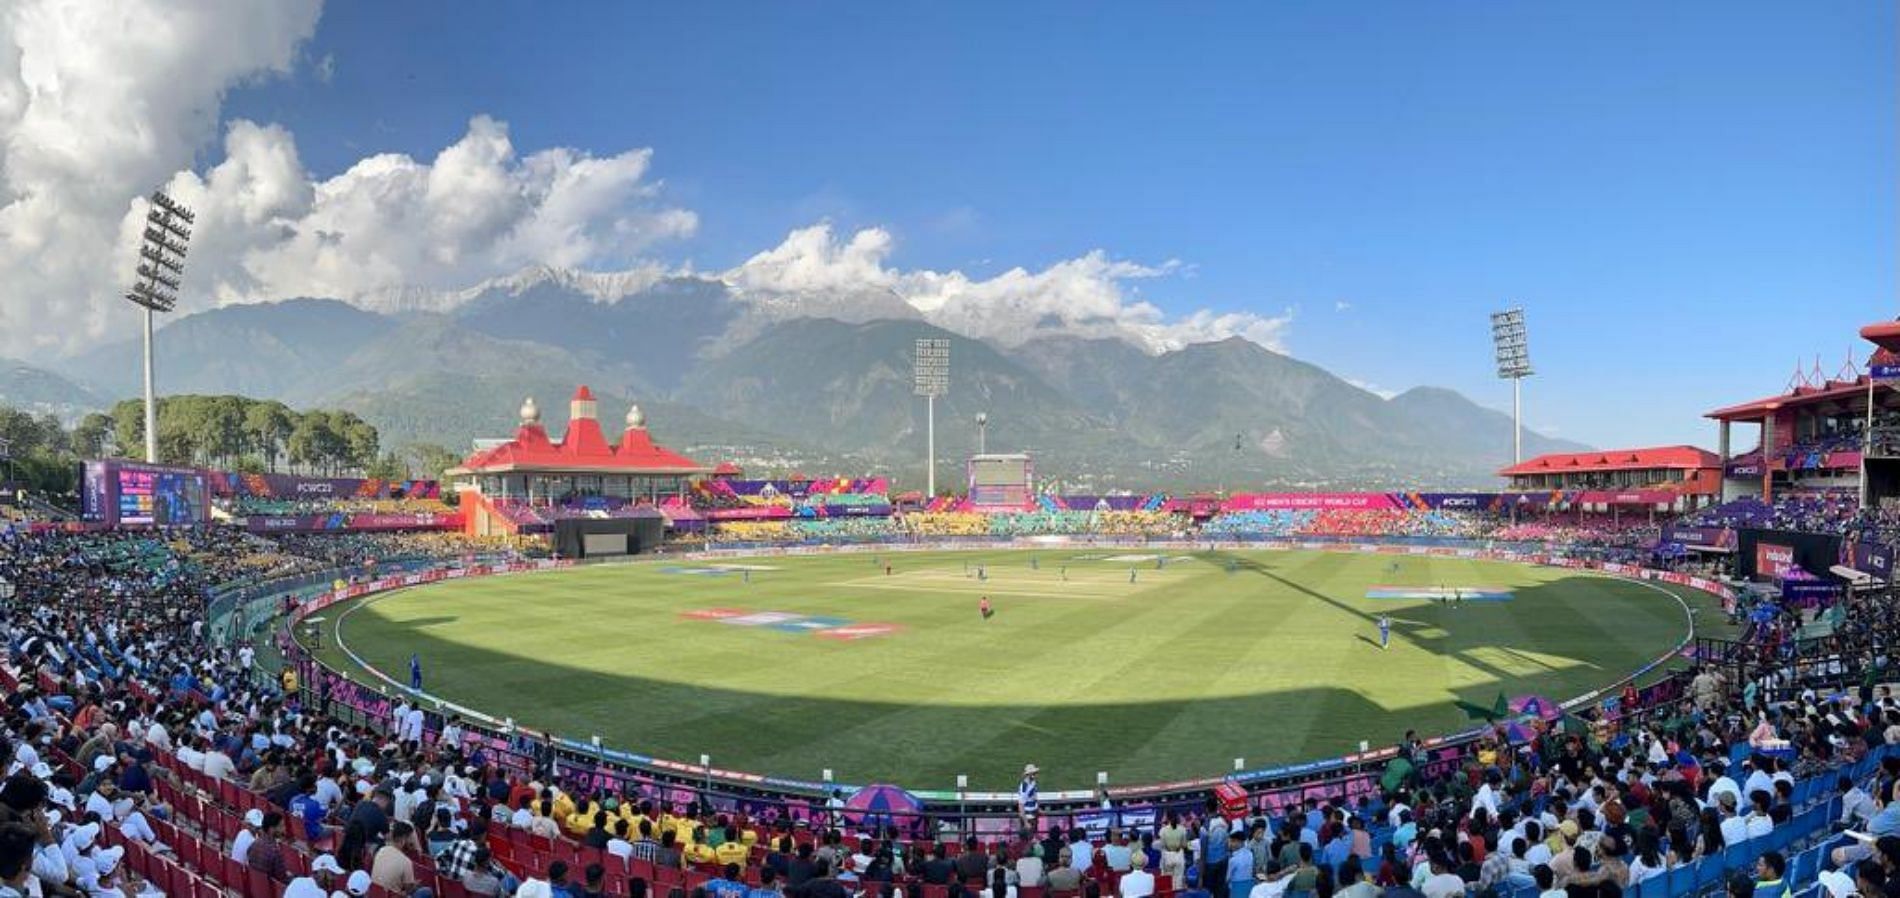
x: 1799, y: 396
x: 1672, y: 457
x: 583, y: 448
x: 1885, y: 335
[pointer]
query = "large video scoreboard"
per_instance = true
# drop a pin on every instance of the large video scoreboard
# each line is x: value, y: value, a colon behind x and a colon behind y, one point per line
x: 1001, y: 481
x: 123, y: 493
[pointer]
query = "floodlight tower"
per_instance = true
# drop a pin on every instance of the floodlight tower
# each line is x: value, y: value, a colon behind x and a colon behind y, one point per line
x: 932, y: 379
x: 161, y: 265
x: 1514, y: 364
x: 982, y: 433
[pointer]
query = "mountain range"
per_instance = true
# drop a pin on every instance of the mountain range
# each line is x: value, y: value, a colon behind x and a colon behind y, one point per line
x: 820, y: 382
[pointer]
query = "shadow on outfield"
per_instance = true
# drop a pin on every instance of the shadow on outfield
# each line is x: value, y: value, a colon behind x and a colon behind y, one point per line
x: 845, y: 725
x: 1446, y: 629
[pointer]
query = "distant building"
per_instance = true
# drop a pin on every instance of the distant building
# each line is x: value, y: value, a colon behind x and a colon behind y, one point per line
x: 526, y: 483
x: 1675, y: 477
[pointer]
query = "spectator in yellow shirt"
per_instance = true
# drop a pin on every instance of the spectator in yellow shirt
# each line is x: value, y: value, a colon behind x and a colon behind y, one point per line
x: 732, y: 850
x: 700, y: 853
x: 581, y: 820
x: 563, y: 804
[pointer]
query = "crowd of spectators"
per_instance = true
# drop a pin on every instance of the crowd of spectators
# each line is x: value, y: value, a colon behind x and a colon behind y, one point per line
x: 1141, y: 523
x: 1382, y: 522
x: 125, y: 715
x: 359, y: 549
x: 246, y: 505
x: 927, y: 525
x: 846, y: 529
x: 1596, y: 534
x: 946, y: 523
x: 1833, y: 512
x: 126, y: 712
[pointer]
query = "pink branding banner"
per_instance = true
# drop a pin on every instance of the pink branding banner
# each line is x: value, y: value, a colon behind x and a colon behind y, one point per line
x: 1309, y: 501
x: 750, y: 513
x: 311, y: 523
x: 387, y: 521
x: 1627, y: 497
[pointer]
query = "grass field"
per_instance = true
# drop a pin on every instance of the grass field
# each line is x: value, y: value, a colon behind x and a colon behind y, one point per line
x: 1269, y: 656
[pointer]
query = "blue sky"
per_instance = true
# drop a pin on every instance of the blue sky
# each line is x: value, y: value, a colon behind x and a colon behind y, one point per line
x: 1687, y: 198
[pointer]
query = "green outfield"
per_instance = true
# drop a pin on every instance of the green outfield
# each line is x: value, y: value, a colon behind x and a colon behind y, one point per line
x: 792, y: 665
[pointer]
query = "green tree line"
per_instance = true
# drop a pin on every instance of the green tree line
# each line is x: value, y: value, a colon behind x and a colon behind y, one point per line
x: 37, y: 452
x: 236, y: 433
x: 233, y: 433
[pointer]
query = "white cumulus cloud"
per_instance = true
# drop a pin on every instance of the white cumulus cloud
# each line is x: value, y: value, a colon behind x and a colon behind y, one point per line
x: 1087, y: 296
x: 475, y: 211
x: 99, y: 103
x: 102, y: 102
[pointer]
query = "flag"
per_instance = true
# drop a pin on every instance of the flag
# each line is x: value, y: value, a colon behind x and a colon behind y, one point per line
x: 1498, y: 709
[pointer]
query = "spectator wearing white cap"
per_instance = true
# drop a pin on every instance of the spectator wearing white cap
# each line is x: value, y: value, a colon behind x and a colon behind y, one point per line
x: 79, y: 840
x: 241, y: 843
x: 49, y: 856
x: 358, y: 884
x: 1837, y: 884
x: 99, y: 772
x: 321, y: 881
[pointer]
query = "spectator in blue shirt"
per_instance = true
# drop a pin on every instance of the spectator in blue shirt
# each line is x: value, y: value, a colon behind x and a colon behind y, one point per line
x: 768, y: 886
x: 731, y: 884
x: 1239, y: 867
x: 1771, y: 876
x: 305, y: 808
x: 1336, y: 851
x: 135, y: 779
x: 1214, y: 861
x: 1406, y: 833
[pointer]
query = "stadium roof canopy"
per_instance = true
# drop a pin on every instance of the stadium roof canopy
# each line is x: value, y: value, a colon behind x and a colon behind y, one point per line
x: 1885, y: 335
x: 583, y: 449
x: 1660, y: 457
x: 1826, y: 392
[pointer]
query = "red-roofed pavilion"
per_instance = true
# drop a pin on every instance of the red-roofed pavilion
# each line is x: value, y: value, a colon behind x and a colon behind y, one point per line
x: 534, y: 471
x: 1823, y: 433
x: 1658, y: 474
